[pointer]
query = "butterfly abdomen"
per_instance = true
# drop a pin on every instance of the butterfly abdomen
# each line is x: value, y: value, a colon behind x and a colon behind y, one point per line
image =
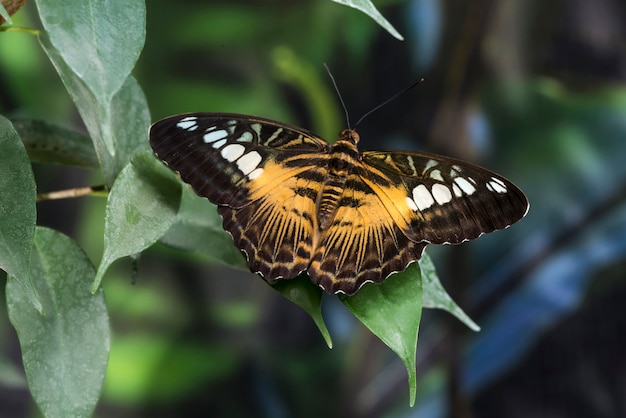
x: 343, y: 156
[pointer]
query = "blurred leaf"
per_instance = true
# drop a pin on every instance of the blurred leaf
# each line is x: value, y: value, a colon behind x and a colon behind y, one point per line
x: 65, y: 350
x: 4, y: 15
x: 392, y: 310
x: 304, y: 78
x: 17, y: 209
x: 233, y: 314
x: 141, y: 207
x: 9, y: 7
x: 367, y: 7
x: 223, y: 25
x: 435, y: 296
x: 156, y: 368
x: 49, y: 143
x: 99, y: 40
x: 306, y: 295
x: 198, y: 228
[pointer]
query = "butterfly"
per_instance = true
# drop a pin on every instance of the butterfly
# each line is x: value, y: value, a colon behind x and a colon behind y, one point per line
x: 293, y: 202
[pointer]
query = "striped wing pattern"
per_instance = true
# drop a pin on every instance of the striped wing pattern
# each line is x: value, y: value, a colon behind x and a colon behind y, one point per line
x: 362, y: 244
x: 294, y: 203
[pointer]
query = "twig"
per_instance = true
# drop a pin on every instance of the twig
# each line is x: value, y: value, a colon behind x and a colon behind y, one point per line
x: 71, y: 193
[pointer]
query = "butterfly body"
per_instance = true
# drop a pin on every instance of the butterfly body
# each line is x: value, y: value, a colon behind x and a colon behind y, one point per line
x: 295, y: 203
x: 343, y: 157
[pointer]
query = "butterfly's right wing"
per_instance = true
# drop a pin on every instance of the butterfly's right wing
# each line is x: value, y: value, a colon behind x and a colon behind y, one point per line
x: 263, y: 175
x: 442, y: 200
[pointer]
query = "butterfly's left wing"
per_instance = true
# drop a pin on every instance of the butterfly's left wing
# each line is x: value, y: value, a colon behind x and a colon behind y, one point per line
x: 263, y: 175
x: 221, y: 155
x: 441, y: 200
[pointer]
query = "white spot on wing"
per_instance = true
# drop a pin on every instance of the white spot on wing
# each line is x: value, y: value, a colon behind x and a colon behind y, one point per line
x: 457, y: 191
x: 256, y: 127
x: 214, y: 136
x: 255, y: 173
x: 230, y: 125
x: 218, y: 144
x: 411, y: 204
x: 246, y: 137
x: 465, y: 185
x: 436, y: 175
x: 232, y: 152
x: 441, y: 193
x: 249, y: 162
x: 422, y: 197
x: 429, y: 164
x: 189, y: 123
x: 497, y: 185
x: 274, y: 136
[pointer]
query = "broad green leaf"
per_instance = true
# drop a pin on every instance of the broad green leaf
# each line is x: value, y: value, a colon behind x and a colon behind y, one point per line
x: 18, y: 213
x: 121, y: 121
x: 130, y: 122
x: 435, y: 296
x: 99, y: 40
x: 64, y: 350
x: 141, y: 207
x: 307, y: 296
x: 198, y: 228
x: 367, y: 7
x: 392, y: 311
x: 49, y: 143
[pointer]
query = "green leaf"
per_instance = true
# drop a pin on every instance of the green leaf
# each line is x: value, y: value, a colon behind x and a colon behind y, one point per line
x: 198, y: 228
x: 116, y: 126
x: 141, y: 207
x: 392, y: 311
x: 435, y: 296
x: 130, y: 122
x: 65, y: 350
x: 99, y: 40
x: 307, y: 296
x: 367, y: 7
x: 49, y: 143
x: 5, y: 15
x: 18, y: 213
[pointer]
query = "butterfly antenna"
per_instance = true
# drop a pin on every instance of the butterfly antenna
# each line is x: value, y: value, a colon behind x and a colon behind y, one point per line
x: 388, y: 100
x: 345, y: 109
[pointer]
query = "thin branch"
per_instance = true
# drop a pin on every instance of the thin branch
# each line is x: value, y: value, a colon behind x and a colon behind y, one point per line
x: 30, y: 31
x: 72, y: 193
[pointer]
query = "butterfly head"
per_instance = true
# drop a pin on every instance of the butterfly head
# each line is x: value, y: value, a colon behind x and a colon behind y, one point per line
x: 350, y: 136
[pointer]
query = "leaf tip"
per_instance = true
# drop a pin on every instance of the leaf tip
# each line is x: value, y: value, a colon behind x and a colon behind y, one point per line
x: 97, y: 280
